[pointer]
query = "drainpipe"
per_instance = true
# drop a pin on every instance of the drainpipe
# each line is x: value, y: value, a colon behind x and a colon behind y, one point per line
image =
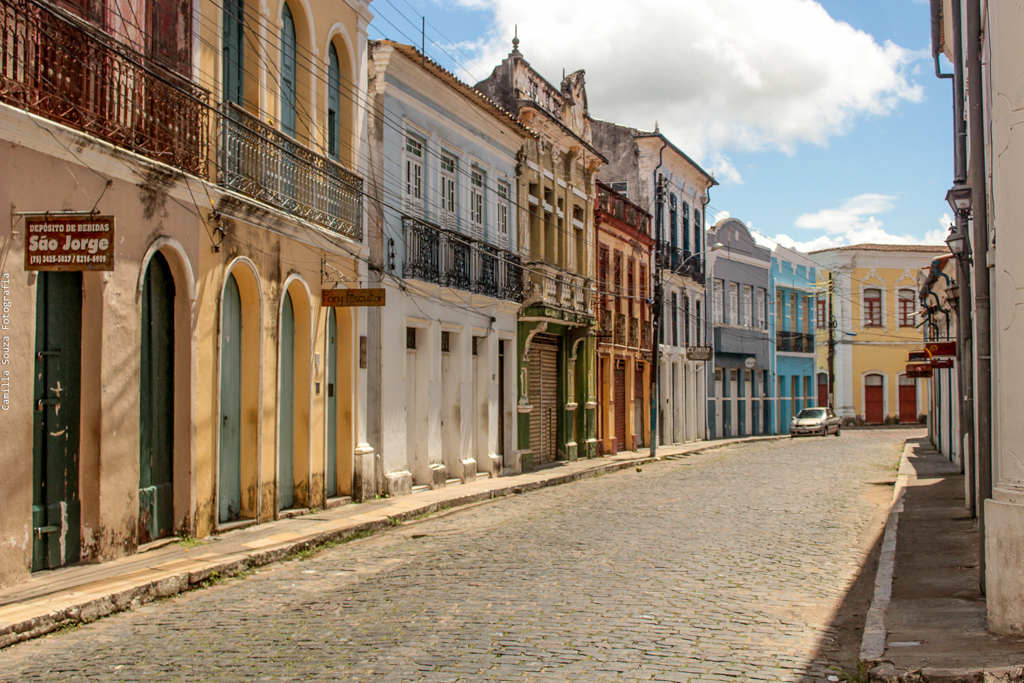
x: 979, y: 209
x: 656, y: 317
x: 965, y: 331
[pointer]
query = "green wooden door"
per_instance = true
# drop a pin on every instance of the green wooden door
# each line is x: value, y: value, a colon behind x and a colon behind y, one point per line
x: 331, y: 476
x: 286, y: 406
x: 156, y: 403
x: 230, y: 468
x: 56, y: 511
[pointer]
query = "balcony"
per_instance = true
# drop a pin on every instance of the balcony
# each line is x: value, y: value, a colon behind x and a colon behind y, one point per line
x: 548, y: 285
x: 61, y: 68
x: 679, y: 261
x: 261, y: 162
x: 794, y: 342
x: 620, y: 330
x: 450, y: 259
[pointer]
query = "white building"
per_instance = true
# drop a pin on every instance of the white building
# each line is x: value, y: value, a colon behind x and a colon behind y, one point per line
x: 442, y: 234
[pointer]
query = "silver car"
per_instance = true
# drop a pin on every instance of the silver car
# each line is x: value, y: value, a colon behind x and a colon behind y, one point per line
x: 809, y: 421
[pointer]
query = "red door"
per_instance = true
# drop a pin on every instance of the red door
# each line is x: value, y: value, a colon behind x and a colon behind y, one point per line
x: 823, y: 390
x: 908, y: 401
x: 874, y: 406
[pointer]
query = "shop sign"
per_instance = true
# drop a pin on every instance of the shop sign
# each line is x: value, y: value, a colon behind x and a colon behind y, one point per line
x: 918, y: 357
x: 700, y: 353
x: 69, y: 242
x: 942, y: 363
x: 946, y: 348
x: 917, y: 370
x: 344, y: 297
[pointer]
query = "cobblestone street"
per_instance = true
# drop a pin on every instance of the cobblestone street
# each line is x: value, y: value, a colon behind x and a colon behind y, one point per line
x: 729, y: 565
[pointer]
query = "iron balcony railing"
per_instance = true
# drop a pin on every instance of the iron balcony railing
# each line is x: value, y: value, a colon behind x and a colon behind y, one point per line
x: 451, y: 259
x: 679, y: 261
x: 265, y: 164
x: 62, y: 68
x: 794, y: 342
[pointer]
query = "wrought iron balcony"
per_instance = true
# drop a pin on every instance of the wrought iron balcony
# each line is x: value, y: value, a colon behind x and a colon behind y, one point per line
x: 794, y: 342
x: 634, y: 333
x: 645, y: 335
x: 548, y: 285
x: 679, y: 261
x: 620, y: 330
x: 57, y: 66
x: 450, y: 259
x: 261, y: 162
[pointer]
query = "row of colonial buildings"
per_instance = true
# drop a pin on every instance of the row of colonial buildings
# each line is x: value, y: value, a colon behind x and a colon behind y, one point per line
x: 258, y: 264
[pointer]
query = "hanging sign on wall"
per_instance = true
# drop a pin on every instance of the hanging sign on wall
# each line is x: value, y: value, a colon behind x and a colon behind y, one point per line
x: 83, y: 242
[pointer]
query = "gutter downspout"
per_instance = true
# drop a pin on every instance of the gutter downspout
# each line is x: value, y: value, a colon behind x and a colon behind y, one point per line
x: 965, y: 332
x: 979, y: 208
x: 658, y: 305
x: 709, y: 371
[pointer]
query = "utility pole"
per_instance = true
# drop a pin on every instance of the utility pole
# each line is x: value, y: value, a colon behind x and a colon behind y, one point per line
x: 659, y: 190
x: 831, y: 346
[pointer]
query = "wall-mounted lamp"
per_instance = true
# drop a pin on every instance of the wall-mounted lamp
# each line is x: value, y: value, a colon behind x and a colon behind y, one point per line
x: 957, y: 242
x: 959, y: 198
x: 953, y: 296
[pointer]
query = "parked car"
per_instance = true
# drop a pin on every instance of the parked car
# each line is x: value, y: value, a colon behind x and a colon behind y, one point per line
x: 809, y: 421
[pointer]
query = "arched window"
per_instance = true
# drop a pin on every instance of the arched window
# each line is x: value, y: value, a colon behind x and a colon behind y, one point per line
x: 333, y: 103
x: 288, y: 72
x: 234, y: 51
x: 686, y: 227
x: 698, y: 228
x: 673, y: 220
x: 906, y: 308
x: 872, y: 307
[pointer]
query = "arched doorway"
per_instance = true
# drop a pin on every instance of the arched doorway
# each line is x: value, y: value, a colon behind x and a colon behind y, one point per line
x: 230, y: 465
x: 286, y: 407
x: 156, y: 403
x: 874, y: 399
x: 908, y: 400
x: 331, y: 468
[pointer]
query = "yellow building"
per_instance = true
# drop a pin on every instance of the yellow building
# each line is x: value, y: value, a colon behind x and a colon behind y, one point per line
x: 180, y: 376
x: 871, y: 303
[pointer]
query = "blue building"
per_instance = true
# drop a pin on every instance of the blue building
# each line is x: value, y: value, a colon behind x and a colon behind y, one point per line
x: 792, y: 323
x: 740, y: 389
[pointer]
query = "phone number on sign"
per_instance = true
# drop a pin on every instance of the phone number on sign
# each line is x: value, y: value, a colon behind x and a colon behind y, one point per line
x: 5, y: 342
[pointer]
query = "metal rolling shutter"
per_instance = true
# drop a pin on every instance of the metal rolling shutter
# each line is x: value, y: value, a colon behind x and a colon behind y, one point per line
x: 544, y: 398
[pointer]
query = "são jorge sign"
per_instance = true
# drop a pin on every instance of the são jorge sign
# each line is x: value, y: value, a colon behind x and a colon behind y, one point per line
x: 69, y: 242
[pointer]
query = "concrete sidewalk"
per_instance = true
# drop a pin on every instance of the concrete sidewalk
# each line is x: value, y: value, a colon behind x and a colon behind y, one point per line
x: 928, y: 619
x: 77, y: 594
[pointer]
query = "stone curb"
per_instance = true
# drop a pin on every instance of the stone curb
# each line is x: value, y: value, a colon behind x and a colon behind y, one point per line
x: 237, y: 563
x: 872, y: 644
x: 887, y: 673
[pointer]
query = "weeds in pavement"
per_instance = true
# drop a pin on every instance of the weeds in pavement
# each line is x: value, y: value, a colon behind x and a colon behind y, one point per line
x: 190, y: 542
x: 860, y: 677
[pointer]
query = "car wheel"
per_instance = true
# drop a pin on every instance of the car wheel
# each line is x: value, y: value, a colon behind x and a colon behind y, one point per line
x: 837, y: 431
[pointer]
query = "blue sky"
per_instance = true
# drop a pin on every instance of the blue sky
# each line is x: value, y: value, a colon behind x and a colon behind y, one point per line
x: 823, y: 121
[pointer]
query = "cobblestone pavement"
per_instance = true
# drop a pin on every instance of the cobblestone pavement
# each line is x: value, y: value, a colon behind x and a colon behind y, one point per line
x: 725, y: 566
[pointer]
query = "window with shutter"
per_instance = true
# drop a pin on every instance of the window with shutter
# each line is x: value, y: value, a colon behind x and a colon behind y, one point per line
x: 233, y: 59
x: 872, y: 308
x: 333, y: 103
x: 288, y: 72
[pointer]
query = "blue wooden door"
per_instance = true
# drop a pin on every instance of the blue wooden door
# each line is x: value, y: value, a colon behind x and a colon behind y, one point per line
x: 286, y: 406
x: 156, y: 403
x: 331, y: 475
x: 56, y: 510
x: 230, y: 467
x: 233, y: 56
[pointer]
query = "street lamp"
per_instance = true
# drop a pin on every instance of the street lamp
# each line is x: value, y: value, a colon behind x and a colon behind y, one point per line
x: 959, y: 198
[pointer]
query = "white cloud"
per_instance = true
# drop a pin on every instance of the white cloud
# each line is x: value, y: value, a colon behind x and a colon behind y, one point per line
x: 718, y: 75
x: 721, y: 216
x: 854, y: 222
x: 945, y: 220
